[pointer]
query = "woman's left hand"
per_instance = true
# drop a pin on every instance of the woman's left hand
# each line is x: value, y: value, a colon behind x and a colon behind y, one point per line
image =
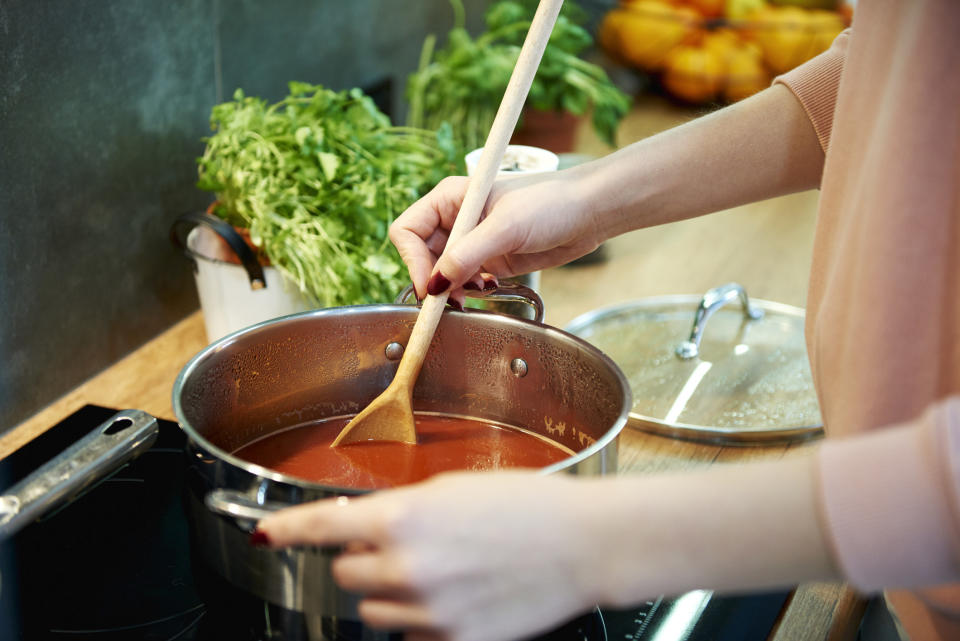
x: 464, y: 556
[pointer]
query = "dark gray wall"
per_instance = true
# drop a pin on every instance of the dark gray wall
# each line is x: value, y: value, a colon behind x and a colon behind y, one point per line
x: 102, y: 107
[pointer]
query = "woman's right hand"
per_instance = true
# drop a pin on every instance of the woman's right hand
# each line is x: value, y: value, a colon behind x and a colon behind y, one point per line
x: 528, y: 223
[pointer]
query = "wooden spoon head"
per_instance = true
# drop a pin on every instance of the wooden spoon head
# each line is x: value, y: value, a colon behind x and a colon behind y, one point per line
x: 388, y: 418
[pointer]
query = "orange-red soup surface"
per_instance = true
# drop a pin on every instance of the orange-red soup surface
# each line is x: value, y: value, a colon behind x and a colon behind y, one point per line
x: 443, y: 444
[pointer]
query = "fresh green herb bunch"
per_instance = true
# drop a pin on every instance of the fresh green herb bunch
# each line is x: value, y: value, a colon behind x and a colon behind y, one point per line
x: 317, y: 178
x: 463, y: 82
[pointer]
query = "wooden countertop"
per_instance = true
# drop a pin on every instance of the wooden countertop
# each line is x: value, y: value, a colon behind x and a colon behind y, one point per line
x: 765, y: 246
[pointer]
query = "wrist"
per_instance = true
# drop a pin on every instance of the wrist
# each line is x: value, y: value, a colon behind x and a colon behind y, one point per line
x: 605, y: 559
x: 615, y: 195
x: 728, y: 528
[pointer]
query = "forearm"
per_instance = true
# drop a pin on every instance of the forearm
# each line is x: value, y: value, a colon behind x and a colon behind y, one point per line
x: 759, y: 148
x: 729, y: 528
x: 425, y: 557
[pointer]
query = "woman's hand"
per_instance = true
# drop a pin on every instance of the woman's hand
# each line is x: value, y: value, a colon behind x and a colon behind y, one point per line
x: 528, y: 223
x: 760, y: 147
x: 497, y: 556
x: 466, y: 556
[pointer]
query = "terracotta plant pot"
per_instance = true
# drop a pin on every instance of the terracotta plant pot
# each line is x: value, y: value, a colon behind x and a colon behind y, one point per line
x: 553, y: 130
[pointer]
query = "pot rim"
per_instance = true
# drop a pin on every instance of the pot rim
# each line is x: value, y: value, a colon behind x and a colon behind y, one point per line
x: 601, y: 443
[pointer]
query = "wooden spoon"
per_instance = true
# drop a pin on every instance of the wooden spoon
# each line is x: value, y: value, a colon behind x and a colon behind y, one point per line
x: 390, y: 416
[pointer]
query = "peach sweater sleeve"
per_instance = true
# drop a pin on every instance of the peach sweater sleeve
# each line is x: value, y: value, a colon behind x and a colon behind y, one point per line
x: 891, y: 501
x: 815, y: 84
x: 881, y: 308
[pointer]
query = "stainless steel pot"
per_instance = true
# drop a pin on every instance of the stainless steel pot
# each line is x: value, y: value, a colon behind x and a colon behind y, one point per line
x: 333, y: 362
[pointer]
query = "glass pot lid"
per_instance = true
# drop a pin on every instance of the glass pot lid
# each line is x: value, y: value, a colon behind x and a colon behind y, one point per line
x: 705, y: 368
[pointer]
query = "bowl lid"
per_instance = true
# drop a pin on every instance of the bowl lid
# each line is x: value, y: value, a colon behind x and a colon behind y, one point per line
x: 743, y: 377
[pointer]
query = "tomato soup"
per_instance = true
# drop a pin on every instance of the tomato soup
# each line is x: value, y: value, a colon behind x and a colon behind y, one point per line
x: 443, y: 444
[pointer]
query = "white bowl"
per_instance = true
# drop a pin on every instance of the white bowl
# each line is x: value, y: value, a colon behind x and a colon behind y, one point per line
x: 518, y: 159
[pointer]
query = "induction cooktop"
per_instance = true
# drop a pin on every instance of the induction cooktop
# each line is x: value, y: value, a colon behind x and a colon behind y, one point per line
x: 114, y: 565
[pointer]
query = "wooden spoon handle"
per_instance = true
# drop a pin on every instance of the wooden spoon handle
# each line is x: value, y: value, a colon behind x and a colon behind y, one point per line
x: 420, y: 339
x: 506, y: 119
x: 482, y: 179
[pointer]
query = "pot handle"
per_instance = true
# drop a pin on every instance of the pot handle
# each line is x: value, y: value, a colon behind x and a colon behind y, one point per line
x: 243, y: 509
x: 94, y: 457
x: 248, y: 259
x: 508, y: 291
x: 246, y: 511
x: 713, y: 300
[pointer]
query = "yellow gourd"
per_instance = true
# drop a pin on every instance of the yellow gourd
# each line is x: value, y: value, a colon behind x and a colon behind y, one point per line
x: 708, y: 8
x: 740, y: 9
x: 790, y: 36
x: 694, y: 74
x: 723, y: 42
x: 608, y: 33
x: 650, y: 29
x: 745, y: 74
x: 826, y: 25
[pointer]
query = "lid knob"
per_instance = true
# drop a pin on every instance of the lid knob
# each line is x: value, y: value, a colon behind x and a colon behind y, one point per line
x: 713, y: 300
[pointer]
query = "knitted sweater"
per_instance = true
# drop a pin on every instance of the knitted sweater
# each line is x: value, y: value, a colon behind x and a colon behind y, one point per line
x: 883, y: 317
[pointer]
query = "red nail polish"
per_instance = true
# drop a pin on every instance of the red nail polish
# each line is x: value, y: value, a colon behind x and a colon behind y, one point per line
x: 455, y: 304
x: 471, y: 285
x: 438, y: 284
x: 489, y: 284
x: 259, y: 539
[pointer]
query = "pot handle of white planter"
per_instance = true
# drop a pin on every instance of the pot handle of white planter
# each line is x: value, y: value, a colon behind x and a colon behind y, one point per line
x: 507, y: 291
x: 185, y: 223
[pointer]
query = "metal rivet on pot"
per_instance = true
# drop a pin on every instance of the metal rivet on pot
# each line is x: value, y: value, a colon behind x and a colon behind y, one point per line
x: 519, y: 367
x: 394, y: 351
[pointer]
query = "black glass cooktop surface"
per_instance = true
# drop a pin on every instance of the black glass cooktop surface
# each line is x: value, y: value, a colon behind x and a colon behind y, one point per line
x: 114, y: 565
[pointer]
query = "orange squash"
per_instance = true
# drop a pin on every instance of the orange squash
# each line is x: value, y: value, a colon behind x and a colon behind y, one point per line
x: 782, y: 36
x: 723, y: 42
x: 741, y: 9
x: 694, y: 74
x: 789, y: 36
x: 650, y: 29
x: 608, y: 33
x: 745, y: 74
x: 708, y: 8
x: 826, y: 25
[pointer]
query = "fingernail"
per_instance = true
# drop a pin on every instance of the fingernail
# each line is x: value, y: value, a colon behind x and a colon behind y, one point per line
x: 471, y: 285
x: 259, y: 539
x: 438, y: 284
x: 457, y: 305
x: 488, y: 284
